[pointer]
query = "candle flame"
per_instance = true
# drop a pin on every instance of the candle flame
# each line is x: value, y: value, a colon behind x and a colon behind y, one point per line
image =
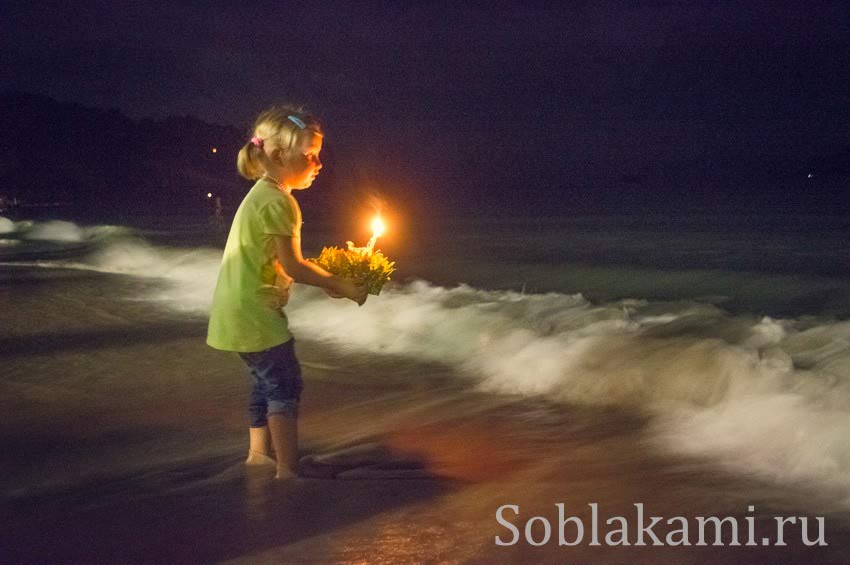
x: 378, y: 230
x: 378, y: 227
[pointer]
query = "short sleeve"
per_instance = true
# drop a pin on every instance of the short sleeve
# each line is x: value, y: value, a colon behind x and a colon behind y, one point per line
x: 281, y: 217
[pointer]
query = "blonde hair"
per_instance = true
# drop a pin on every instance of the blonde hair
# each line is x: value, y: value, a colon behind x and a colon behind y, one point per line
x: 278, y: 128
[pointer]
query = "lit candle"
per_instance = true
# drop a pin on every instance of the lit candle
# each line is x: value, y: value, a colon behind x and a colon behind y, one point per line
x: 365, y: 264
x: 378, y: 230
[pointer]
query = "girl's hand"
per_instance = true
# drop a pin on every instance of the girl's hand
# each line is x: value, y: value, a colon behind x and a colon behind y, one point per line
x: 282, y: 285
x: 332, y: 294
x: 274, y: 297
x: 351, y: 289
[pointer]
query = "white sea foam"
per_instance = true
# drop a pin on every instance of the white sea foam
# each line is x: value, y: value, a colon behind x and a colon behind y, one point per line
x: 61, y: 231
x: 187, y: 276
x: 6, y: 225
x: 55, y: 230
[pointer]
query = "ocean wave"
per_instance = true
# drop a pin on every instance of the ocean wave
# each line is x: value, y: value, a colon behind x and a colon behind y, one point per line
x: 760, y: 395
x: 60, y: 231
x: 6, y: 225
x: 54, y: 230
x: 187, y: 275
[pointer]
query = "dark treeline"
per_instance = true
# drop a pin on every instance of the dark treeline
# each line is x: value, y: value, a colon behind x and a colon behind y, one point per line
x: 53, y: 152
x: 101, y: 161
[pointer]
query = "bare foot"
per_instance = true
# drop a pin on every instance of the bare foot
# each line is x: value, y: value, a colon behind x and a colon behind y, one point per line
x: 255, y: 458
x: 284, y: 473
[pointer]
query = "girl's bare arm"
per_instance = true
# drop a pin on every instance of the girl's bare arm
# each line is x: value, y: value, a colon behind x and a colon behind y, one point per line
x: 307, y: 272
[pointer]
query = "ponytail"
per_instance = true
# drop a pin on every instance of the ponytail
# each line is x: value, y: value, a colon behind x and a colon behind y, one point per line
x: 248, y: 163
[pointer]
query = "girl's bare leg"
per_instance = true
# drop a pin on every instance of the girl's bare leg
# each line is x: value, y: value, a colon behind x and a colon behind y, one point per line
x: 258, y: 447
x: 284, y: 436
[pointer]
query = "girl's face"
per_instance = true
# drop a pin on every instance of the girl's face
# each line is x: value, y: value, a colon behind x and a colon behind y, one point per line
x: 302, y: 165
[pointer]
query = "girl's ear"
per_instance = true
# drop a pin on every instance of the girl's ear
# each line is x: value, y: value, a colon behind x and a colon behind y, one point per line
x: 277, y: 156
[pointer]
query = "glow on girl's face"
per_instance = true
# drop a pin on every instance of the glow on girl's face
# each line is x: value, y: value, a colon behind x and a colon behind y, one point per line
x: 302, y: 165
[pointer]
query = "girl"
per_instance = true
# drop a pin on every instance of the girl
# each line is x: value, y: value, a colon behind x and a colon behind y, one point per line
x: 261, y: 259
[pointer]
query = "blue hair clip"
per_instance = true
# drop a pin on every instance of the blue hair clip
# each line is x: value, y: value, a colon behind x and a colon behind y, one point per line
x: 297, y: 122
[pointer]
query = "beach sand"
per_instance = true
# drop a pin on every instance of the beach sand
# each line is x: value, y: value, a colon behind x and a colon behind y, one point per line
x: 123, y: 439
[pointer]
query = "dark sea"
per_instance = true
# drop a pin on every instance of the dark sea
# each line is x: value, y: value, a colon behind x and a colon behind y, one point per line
x: 719, y: 343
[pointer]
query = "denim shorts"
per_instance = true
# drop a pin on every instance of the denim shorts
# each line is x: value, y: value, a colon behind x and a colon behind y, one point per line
x: 276, y: 380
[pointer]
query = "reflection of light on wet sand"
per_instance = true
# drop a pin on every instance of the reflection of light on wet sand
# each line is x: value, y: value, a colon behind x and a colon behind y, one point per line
x: 258, y: 505
x: 466, y: 451
x: 396, y: 542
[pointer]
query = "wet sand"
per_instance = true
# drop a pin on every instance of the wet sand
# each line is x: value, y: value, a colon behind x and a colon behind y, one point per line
x: 123, y: 439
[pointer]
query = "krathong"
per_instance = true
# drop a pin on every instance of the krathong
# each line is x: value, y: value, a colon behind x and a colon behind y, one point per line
x: 365, y: 264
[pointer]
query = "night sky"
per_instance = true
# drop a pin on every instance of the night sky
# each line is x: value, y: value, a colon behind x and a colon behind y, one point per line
x: 599, y: 105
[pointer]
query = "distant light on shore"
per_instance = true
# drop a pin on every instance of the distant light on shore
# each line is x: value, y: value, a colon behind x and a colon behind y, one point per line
x: 209, y: 194
x: 214, y: 150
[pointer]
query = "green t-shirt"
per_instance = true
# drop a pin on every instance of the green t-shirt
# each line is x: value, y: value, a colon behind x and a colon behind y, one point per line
x: 243, y: 316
